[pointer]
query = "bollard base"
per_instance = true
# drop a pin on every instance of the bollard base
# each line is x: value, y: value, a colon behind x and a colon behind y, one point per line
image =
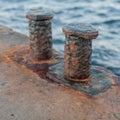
x: 100, y: 79
x: 21, y: 55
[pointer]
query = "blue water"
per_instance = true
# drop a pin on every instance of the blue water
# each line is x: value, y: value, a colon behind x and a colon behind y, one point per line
x: 103, y: 14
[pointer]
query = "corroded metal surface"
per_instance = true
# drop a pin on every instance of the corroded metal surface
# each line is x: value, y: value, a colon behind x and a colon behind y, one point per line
x: 40, y: 34
x: 86, y: 31
x: 100, y: 79
x: 78, y: 49
x: 77, y: 58
x: 21, y: 55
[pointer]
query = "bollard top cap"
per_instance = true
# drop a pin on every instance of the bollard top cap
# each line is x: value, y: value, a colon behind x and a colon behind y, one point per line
x: 86, y: 31
x: 39, y: 14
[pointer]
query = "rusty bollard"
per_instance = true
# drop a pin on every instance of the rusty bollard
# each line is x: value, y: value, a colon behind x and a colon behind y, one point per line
x: 78, y: 49
x: 40, y: 33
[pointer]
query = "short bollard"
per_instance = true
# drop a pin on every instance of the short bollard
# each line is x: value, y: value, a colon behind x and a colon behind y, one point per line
x: 78, y: 49
x: 40, y: 33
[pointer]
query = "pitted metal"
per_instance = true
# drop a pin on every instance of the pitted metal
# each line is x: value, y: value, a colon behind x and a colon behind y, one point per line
x: 78, y: 49
x: 40, y: 34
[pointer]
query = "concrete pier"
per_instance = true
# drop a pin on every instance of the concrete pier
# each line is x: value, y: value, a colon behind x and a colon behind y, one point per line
x: 25, y: 95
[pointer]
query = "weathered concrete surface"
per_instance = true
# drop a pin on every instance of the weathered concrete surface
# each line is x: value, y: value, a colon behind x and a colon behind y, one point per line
x: 26, y: 96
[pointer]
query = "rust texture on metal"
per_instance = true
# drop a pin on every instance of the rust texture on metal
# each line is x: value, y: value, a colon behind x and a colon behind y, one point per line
x: 21, y: 56
x: 40, y: 33
x: 78, y: 49
x: 100, y: 79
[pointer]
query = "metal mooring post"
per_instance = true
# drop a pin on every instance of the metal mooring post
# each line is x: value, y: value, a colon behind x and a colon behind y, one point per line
x: 40, y: 33
x: 78, y: 49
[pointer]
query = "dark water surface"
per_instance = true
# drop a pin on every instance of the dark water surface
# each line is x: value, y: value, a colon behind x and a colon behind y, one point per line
x: 103, y: 14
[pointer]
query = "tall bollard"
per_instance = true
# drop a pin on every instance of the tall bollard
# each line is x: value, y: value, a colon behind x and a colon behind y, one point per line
x: 40, y: 33
x: 78, y: 49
